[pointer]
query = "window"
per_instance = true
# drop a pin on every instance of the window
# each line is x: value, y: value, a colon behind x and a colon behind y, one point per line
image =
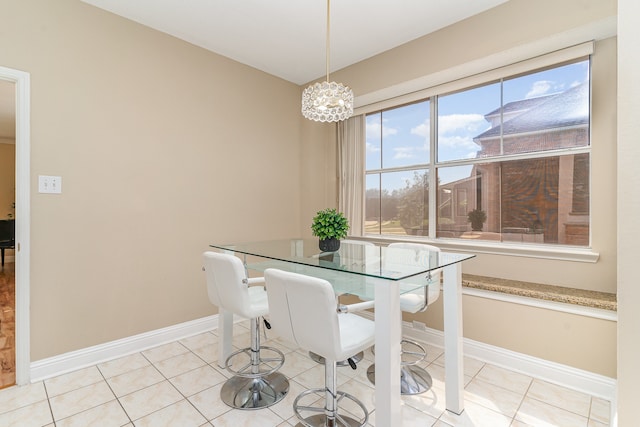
x: 507, y: 160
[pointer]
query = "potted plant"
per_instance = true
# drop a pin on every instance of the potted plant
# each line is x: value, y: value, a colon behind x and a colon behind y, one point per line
x: 476, y: 217
x: 330, y: 226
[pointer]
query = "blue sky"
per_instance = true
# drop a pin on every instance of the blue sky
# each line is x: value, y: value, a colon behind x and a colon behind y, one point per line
x: 405, y: 130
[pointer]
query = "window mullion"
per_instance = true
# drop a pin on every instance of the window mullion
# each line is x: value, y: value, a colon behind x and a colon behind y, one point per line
x: 501, y: 117
x: 433, y: 147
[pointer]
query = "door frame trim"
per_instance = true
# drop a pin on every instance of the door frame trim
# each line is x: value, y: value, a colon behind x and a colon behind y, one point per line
x: 22, y: 81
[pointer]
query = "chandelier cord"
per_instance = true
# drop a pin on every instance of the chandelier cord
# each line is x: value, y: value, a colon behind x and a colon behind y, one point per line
x: 328, y: 31
x: 327, y: 101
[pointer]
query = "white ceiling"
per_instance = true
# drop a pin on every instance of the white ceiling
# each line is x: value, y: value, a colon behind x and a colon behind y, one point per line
x: 287, y: 38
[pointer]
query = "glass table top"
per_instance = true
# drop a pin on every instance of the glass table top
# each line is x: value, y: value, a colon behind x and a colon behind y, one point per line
x: 357, y: 257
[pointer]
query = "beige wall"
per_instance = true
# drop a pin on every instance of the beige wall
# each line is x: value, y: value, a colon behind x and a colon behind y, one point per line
x: 163, y: 147
x: 554, y: 336
x: 578, y: 341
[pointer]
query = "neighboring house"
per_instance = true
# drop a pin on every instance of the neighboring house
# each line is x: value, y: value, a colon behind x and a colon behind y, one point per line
x: 542, y: 199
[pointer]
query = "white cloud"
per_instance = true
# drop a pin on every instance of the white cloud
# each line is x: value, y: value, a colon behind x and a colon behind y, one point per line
x: 545, y: 87
x: 423, y: 130
x: 539, y: 88
x: 460, y: 123
x: 410, y: 152
x: 404, y: 153
x: 458, y: 141
x: 374, y: 129
x: 371, y: 148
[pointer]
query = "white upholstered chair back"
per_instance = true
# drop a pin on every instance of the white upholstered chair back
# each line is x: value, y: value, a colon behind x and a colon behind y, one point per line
x: 228, y: 286
x: 418, y: 253
x: 304, y: 311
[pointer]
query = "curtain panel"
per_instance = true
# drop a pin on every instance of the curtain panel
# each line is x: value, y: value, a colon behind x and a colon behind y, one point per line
x: 351, y: 168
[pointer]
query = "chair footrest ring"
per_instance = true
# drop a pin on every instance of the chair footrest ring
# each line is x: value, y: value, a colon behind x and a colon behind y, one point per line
x: 266, y: 365
x: 316, y: 416
x: 419, y: 354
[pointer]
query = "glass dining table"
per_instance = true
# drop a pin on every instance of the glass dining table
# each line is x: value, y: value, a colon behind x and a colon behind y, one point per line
x: 378, y: 272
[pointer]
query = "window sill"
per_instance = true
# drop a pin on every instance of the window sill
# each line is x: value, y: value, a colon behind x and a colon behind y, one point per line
x: 553, y: 293
x: 561, y: 253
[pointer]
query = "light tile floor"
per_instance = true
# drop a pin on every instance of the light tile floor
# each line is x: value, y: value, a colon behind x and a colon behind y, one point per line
x: 178, y: 384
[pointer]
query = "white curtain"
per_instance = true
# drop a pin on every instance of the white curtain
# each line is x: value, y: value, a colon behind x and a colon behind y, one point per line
x: 351, y: 168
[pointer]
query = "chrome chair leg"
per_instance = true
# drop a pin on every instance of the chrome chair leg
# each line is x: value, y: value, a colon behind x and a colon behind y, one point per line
x: 413, y: 379
x: 329, y: 415
x: 255, y: 383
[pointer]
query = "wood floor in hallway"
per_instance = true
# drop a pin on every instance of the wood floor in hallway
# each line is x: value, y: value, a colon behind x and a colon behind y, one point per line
x: 7, y: 325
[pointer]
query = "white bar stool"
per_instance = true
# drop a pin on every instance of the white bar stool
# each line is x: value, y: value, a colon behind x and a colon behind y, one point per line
x: 255, y: 383
x: 304, y: 311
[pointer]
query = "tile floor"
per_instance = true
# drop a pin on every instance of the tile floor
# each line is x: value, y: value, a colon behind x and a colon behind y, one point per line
x: 178, y: 384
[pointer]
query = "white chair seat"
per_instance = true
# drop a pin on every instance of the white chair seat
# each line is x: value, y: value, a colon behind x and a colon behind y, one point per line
x: 356, y: 333
x: 258, y: 304
x: 411, y: 303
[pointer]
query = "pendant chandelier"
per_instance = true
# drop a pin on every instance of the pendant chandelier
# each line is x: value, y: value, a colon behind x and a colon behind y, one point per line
x: 327, y: 101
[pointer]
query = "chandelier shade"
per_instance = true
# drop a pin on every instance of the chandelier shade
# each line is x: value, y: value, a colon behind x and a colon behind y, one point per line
x: 327, y: 101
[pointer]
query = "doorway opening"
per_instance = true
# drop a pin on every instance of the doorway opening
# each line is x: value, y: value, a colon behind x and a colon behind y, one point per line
x: 14, y: 318
x: 7, y: 232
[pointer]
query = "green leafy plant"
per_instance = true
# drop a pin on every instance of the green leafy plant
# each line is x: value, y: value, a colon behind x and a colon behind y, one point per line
x: 330, y: 223
x: 477, y: 217
x: 412, y: 201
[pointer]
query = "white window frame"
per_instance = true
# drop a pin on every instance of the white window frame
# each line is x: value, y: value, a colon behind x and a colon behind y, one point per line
x: 460, y: 78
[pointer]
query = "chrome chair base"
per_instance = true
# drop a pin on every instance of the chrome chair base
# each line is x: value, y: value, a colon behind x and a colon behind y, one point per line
x: 321, y: 418
x: 355, y: 358
x: 413, y: 379
x: 254, y: 393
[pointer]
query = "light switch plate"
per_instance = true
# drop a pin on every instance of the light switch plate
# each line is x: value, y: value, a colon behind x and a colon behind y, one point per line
x: 49, y: 184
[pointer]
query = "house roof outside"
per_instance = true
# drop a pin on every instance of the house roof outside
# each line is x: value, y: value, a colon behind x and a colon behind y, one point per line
x: 564, y: 110
x: 518, y: 107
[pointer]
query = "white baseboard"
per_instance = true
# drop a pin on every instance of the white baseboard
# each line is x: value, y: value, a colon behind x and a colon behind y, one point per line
x: 567, y: 376
x: 556, y: 373
x: 577, y: 379
x: 67, y: 362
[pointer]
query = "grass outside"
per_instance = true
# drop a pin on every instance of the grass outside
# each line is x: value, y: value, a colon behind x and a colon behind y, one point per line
x: 387, y: 227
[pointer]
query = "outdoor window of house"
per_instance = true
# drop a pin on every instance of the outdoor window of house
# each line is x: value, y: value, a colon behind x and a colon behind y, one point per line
x: 505, y: 161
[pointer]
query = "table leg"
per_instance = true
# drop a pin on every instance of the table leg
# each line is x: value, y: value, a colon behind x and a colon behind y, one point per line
x: 225, y: 336
x: 387, y: 357
x: 454, y: 373
x: 225, y: 328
